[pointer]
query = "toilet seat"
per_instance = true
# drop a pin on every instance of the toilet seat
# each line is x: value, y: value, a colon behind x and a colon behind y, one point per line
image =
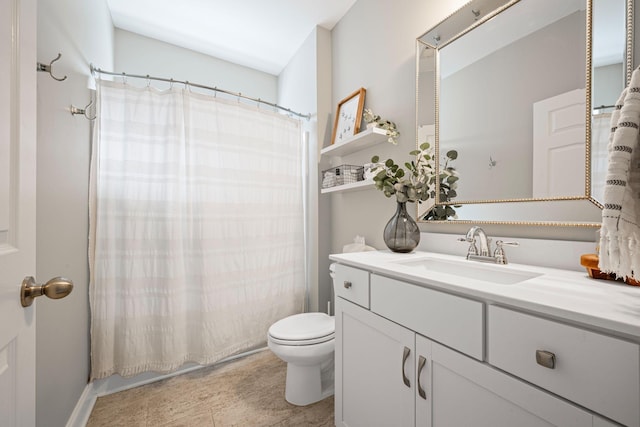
x: 303, y: 329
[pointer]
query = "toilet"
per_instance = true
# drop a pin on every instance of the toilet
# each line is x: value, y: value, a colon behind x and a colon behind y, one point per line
x: 306, y: 342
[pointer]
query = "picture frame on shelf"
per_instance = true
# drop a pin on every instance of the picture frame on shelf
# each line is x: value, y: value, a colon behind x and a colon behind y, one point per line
x: 348, y: 116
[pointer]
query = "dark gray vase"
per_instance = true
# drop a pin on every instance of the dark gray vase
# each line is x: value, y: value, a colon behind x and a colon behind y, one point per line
x: 401, y: 234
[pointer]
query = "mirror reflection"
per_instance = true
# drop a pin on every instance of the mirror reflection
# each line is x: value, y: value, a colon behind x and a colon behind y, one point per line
x: 611, y: 72
x: 511, y: 84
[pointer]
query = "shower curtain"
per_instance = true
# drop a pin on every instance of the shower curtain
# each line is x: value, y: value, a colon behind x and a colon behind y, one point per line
x: 196, y: 239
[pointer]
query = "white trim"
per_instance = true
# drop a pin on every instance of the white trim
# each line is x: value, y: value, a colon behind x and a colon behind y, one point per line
x: 82, y: 411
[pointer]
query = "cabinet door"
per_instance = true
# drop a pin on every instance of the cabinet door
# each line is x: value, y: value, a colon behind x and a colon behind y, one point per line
x: 469, y: 393
x: 375, y: 376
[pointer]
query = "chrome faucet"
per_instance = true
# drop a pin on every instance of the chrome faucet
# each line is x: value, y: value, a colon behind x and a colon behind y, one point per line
x: 484, y: 241
x: 484, y: 254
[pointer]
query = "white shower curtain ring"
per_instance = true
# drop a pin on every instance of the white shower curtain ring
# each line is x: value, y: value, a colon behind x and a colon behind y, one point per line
x: 171, y: 83
x: 124, y: 78
x: 239, y: 95
x: 148, y: 81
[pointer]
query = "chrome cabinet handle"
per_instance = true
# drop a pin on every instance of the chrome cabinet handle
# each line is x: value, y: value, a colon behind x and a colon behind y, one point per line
x: 546, y: 359
x: 347, y: 284
x: 421, y: 362
x: 405, y: 356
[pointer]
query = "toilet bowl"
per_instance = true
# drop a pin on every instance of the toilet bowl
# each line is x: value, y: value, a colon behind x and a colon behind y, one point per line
x: 306, y: 342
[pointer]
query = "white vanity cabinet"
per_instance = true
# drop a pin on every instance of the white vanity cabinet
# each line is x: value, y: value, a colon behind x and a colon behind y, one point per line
x: 409, y: 355
x: 465, y: 392
x: 375, y: 373
x: 597, y: 371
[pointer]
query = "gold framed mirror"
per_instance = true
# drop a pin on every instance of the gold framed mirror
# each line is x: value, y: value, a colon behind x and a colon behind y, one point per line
x: 522, y: 90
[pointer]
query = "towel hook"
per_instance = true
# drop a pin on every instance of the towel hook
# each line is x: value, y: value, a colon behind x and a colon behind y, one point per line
x: 48, y: 69
x: 75, y: 110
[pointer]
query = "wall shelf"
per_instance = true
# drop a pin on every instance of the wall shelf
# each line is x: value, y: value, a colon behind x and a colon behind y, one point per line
x: 360, y: 141
x: 356, y: 186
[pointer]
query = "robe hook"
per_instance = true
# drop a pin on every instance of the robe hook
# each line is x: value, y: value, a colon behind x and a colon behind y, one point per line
x: 48, y: 68
x: 75, y: 110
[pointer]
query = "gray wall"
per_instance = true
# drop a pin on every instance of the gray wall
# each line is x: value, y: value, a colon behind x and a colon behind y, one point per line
x: 83, y: 33
x: 305, y: 86
x: 136, y: 54
x: 374, y: 47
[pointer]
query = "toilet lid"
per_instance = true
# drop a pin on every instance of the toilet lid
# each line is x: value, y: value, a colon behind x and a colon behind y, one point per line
x: 316, y: 327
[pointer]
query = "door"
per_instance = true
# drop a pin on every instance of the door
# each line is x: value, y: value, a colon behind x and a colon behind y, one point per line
x: 375, y: 376
x: 17, y: 209
x: 559, y: 149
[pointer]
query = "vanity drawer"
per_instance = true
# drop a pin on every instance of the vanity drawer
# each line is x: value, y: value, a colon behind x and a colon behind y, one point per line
x: 594, y: 370
x: 451, y: 320
x: 352, y: 284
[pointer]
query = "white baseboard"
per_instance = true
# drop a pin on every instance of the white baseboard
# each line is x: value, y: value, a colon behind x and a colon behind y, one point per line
x: 82, y: 411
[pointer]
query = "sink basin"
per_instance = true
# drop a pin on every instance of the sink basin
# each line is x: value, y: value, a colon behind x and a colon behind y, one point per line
x: 472, y: 270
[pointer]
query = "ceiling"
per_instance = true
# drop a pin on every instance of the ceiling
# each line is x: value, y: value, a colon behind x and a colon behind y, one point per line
x: 261, y: 34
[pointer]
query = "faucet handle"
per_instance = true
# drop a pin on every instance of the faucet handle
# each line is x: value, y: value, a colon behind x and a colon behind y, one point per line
x: 499, y: 254
x: 473, y: 249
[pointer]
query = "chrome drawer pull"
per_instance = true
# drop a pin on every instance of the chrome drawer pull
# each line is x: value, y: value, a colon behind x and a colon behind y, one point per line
x: 405, y: 356
x: 421, y: 362
x: 546, y: 359
x: 347, y: 284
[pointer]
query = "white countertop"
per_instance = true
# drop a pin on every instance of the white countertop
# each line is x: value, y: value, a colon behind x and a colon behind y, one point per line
x: 611, y: 306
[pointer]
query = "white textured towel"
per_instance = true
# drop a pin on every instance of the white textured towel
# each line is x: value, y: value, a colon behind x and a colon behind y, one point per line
x: 620, y: 233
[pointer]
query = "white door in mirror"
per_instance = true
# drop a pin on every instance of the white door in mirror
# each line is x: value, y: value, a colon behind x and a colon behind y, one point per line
x: 559, y: 145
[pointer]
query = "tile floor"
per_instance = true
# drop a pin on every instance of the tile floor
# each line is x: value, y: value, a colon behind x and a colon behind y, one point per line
x: 247, y: 392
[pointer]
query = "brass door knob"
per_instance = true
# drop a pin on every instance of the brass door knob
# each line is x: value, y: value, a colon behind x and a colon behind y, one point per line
x: 56, y: 288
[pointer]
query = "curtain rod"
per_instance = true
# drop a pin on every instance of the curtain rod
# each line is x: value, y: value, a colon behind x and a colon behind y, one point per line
x: 188, y: 83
